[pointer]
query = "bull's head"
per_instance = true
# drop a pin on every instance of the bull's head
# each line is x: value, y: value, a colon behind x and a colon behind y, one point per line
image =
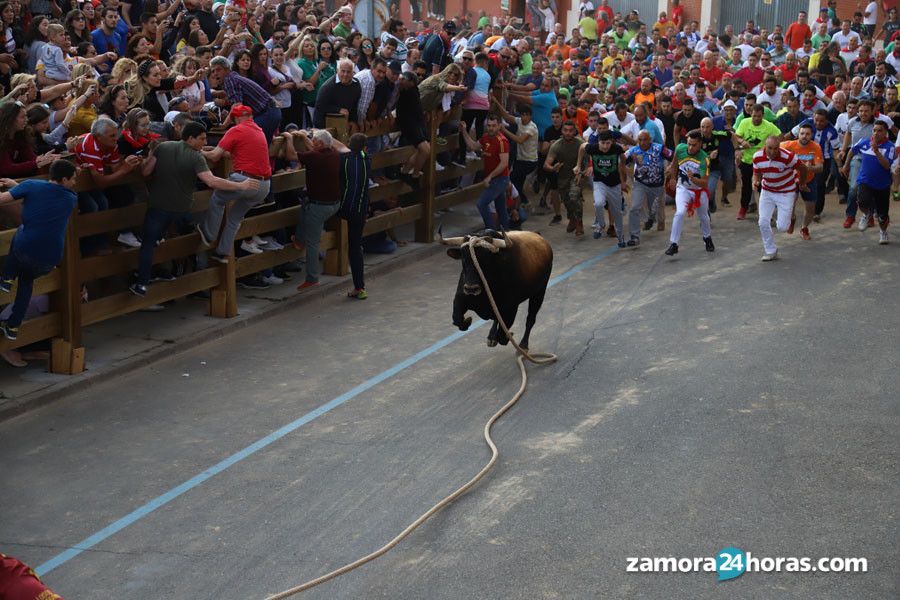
x: 485, y: 245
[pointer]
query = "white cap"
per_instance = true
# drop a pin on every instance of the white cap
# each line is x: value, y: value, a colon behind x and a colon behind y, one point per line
x: 729, y: 104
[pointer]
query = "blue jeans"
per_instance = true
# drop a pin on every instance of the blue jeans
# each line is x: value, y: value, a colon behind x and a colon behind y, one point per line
x: 21, y: 267
x: 855, y: 163
x: 156, y: 222
x: 269, y: 122
x: 714, y: 177
x: 496, y: 193
x: 309, y: 229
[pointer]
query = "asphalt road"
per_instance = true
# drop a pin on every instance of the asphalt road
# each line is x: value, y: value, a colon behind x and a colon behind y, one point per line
x: 699, y: 402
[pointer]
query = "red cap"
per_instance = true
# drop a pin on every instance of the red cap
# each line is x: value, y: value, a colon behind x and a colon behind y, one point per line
x: 241, y: 110
x: 727, y: 76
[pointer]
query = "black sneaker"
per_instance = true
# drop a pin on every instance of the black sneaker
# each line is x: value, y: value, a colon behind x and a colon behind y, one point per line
x: 710, y: 247
x: 673, y: 249
x: 649, y: 224
x: 10, y: 332
x: 556, y: 220
x: 254, y: 282
x: 6, y: 284
x: 622, y: 244
x: 162, y: 276
x: 221, y: 258
x: 138, y: 289
x: 633, y: 242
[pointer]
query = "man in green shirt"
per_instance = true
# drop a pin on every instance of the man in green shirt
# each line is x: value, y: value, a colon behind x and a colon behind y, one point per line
x: 690, y: 169
x: 345, y: 27
x: 621, y: 36
x: 562, y: 157
x: 749, y: 137
x: 175, y: 169
x: 821, y: 35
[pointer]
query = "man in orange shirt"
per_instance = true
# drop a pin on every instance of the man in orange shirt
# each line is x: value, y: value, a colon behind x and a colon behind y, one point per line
x: 561, y: 45
x: 645, y: 94
x: 810, y: 154
x: 798, y: 32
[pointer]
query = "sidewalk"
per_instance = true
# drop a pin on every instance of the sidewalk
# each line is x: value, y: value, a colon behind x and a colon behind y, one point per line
x: 120, y: 345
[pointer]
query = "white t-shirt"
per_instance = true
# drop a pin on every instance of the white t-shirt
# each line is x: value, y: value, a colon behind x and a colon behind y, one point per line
x: 527, y: 151
x: 872, y: 9
x: 746, y: 50
x: 844, y: 40
x: 774, y: 100
x: 615, y: 123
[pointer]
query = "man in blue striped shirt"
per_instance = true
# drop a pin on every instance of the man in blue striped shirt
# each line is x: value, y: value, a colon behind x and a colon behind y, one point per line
x: 240, y: 90
x: 827, y: 137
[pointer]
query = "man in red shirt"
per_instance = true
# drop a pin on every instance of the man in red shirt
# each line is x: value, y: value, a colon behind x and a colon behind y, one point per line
x: 494, y: 148
x: 709, y: 71
x: 98, y: 153
x: 789, y: 68
x: 250, y: 157
x: 776, y: 171
x: 798, y: 32
x: 751, y: 75
x: 605, y: 8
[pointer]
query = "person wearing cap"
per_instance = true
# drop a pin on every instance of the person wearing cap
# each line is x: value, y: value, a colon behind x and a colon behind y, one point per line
x: 436, y: 49
x: 249, y: 151
x: 173, y: 169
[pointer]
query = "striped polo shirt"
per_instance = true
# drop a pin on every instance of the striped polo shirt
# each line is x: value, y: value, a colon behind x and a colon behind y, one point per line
x: 777, y: 173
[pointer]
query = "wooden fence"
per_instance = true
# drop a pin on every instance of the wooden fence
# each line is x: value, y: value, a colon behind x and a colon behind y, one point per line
x: 68, y: 314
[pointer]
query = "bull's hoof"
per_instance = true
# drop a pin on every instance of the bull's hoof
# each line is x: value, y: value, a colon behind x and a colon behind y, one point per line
x: 491, y: 342
x: 464, y: 326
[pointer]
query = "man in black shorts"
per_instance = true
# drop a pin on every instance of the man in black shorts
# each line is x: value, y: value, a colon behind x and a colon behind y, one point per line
x: 550, y: 135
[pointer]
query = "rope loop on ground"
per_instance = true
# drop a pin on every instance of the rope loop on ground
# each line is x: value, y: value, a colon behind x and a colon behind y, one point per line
x: 538, y: 358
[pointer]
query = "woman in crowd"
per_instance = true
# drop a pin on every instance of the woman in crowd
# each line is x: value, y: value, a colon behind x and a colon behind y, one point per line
x: 77, y: 27
x: 35, y: 40
x: 17, y: 157
x: 114, y: 104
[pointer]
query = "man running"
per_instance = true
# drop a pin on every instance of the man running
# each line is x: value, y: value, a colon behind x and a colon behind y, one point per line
x: 691, y: 171
x: 874, y: 179
x: 775, y: 179
x: 649, y: 175
x: 749, y: 137
x: 610, y: 181
x: 562, y: 157
x: 810, y: 154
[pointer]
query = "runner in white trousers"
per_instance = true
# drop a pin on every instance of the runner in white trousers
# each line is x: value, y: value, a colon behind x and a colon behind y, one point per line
x: 776, y: 171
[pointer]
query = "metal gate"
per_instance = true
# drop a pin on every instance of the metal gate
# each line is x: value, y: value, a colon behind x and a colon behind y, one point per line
x: 648, y: 9
x: 765, y: 13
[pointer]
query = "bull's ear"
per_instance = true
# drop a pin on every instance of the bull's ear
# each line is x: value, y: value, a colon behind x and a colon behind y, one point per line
x: 454, y: 253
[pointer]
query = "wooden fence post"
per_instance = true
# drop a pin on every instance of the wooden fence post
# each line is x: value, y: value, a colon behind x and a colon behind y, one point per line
x: 66, y: 351
x: 339, y: 126
x: 223, y: 297
x: 425, y: 226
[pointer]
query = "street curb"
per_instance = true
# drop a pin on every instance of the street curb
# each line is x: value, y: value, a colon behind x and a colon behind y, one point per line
x: 89, y: 378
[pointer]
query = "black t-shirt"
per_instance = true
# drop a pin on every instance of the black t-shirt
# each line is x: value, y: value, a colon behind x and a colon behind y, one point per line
x: 606, y: 164
x: 713, y: 144
x: 686, y: 123
x: 668, y: 122
x: 551, y: 134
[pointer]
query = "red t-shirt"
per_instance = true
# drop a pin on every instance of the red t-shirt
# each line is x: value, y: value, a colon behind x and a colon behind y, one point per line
x: 609, y: 15
x: 787, y: 73
x: 796, y: 34
x: 678, y: 15
x: 92, y: 156
x: 249, y: 151
x: 491, y: 149
x: 711, y: 75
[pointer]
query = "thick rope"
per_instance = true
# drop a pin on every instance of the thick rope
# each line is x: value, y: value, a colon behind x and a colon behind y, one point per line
x: 538, y: 358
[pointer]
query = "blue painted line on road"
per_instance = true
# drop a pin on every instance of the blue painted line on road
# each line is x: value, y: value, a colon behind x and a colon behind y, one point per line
x: 160, y: 501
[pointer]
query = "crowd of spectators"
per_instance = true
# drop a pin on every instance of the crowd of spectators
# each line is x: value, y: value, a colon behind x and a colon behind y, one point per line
x: 105, y: 83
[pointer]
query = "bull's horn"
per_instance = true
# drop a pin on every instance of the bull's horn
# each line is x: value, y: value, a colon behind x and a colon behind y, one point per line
x: 500, y: 244
x: 507, y: 240
x: 454, y: 241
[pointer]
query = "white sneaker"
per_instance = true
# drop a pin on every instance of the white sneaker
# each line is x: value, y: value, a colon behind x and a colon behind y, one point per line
x: 882, y: 237
x: 770, y: 257
x: 438, y: 167
x: 258, y: 240
x: 271, y: 243
x: 273, y: 280
x: 863, y: 223
x: 129, y: 239
x: 471, y: 156
x: 249, y: 246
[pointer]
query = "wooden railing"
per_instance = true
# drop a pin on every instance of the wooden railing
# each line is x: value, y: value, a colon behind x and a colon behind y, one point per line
x: 68, y: 314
